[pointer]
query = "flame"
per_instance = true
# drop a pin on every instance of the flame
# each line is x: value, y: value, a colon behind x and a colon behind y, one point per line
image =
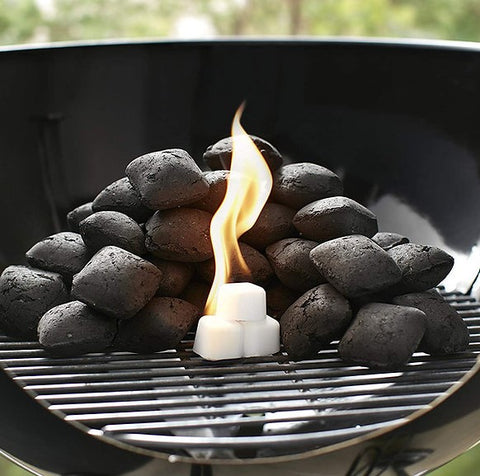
x: 248, y: 187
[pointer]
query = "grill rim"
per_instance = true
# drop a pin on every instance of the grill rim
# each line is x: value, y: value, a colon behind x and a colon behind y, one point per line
x: 392, y: 425
x: 388, y: 42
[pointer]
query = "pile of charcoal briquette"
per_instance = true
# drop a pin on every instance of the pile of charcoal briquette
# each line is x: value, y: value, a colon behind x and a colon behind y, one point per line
x: 134, y: 271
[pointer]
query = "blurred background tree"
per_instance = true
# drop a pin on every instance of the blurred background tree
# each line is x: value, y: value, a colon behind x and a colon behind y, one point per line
x: 27, y: 21
x: 32, y: 21
x: 18, y: 21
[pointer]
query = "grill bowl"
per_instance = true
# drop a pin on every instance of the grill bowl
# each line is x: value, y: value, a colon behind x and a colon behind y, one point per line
x: 395, y: 120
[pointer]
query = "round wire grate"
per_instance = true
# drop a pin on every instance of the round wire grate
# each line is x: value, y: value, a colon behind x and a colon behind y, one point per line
x: 176, y: 404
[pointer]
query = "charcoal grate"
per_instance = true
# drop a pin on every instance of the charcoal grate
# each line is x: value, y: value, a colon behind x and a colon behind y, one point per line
x: 176, y: 404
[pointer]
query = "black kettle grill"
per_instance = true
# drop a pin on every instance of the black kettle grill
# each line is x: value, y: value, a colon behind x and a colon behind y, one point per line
x: 397, y: 120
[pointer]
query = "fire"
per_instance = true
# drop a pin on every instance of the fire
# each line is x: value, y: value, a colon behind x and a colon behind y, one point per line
x: 248, y: 188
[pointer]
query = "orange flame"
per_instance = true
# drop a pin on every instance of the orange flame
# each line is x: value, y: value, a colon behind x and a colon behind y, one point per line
x: 249, y: 185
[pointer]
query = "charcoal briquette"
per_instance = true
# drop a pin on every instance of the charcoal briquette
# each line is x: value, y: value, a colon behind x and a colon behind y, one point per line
x: 315, y: 319
x: 259, y: 270
x: 297, y: 185
x: 388, y: 240
x: 279, y: 298
x: 219, y: 155
x: 423, y: 267
x: 73, y: 329
x: 25, y: 295
x: 291, y: 263
x: 175, y: 276
x: 355, y: 265
x: 181, y: 234
x: 112, y: 228
x: 273, y: 224
x: 77, y: 215
x: 334, y: 217
x: 120, y: 196
x: 383, y: 336
x: 116, y: 282
x: 160, y: 325
x: 64, y: 253
x: 196, y: 293
x: 446, y: 331
x: 167, y: 179
x: 217, y: 183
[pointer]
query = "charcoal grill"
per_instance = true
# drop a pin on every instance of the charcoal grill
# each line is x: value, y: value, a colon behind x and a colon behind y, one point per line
x: 396, y: 120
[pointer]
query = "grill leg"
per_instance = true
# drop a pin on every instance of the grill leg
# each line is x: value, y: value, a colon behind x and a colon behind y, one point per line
x: 201, y: 470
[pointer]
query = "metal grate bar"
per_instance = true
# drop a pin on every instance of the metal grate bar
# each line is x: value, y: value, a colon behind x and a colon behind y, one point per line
x: 79, y: 408
x: 288, y: 441
x: 326, y: 418
x: 464, y: 306
x: 458, y: 297
x: 133, y: 361
x: 225, y: 374
x: 125, y: 396
x: 346, y: 380
x: 169, y: 368
x: 96, y: 419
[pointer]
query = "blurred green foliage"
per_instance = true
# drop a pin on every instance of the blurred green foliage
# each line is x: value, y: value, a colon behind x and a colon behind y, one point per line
x: 18, y: 20
x: 30, y: 21
x: 10, y: 469
x: 466, y: 465
x: 25, y: 21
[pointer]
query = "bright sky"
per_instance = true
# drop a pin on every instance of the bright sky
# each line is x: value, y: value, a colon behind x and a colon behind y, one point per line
x: 193, y: 27
x: 187, y: 26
